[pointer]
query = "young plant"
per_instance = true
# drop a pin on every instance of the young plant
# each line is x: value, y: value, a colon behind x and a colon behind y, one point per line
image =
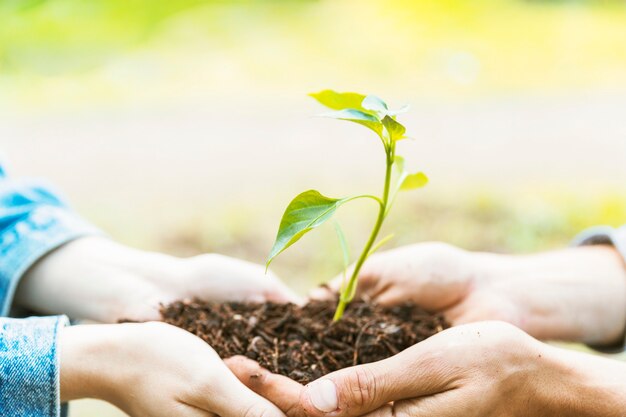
x: 311, y: 209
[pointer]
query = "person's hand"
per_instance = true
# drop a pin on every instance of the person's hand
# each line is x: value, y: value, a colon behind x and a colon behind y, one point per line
x: 153, y: 369
x: 487, y: 369
x: 98, y: 279
x: 576, y: 294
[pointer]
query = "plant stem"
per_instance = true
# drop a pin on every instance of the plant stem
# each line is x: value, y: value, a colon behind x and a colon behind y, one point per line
x: 348, y: 293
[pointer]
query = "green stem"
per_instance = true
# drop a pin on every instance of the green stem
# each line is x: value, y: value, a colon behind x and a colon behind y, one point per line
x: 348, y: 293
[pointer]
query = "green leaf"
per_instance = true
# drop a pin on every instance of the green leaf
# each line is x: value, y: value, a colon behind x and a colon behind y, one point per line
x: 396, y: 130
x: 344, y: 246
x: 413, y: 181
x: 374, y: 103
x: 345, y: 251
x: 401, y: 110
x: 339, y: 101
x: 398, y: 163
x: 380, y: 243
x: 358, y: 116
x: 305, y: 212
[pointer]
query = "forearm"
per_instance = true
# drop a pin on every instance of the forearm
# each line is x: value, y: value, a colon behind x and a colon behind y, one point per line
x: 576, y: 294
x: 94, y: 278
x: 581, y: 385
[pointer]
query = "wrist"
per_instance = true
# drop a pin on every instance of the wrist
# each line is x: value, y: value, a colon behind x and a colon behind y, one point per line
x: 85, y: 354
x: 101, y: 361
x: 576, y: 294
x: 580, y: 385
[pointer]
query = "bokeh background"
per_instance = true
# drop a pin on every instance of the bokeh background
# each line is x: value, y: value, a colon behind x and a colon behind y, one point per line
x: 184, y: 125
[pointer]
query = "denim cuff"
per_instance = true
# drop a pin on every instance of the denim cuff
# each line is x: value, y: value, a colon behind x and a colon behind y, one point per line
x: 605, y: 235
x: 42, y: 230
x: 29, y: 367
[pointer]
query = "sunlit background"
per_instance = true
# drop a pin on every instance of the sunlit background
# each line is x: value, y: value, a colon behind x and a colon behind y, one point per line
x: 184, y: 126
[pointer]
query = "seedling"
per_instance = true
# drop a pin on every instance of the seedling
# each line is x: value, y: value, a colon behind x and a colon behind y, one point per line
x: 311, y: 209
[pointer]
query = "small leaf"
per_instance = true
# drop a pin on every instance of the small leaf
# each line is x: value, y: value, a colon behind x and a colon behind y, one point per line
x: 358, y: 116
x: 401, y: 110
x: 396, y: 130
x: 413, y: 181
x: 339, y: 101
x: 398, y: 163
x: 305, y: 212
x: 345, y: 251
x: 380, y: 243
x: 374, y: 103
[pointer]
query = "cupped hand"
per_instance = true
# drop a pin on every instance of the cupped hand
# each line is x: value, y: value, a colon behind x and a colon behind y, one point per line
x: 98, y: 279
x: 221, y: 278
x: 153, y: 369
x: 574, y: 294
x: 486, y: 369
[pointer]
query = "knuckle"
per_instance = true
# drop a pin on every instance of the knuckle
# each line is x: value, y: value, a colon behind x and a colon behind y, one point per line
x: 257, y: 410
x: 203, y: 383
x: 250, y: 411
x: 363, y: 387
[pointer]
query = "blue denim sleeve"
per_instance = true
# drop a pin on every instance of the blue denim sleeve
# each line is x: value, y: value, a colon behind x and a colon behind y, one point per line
x: 29, y: 367
x: 605, y: 235
x: 33, y: 221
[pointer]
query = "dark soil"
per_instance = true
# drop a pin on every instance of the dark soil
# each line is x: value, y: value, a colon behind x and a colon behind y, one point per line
x: 303, y: 343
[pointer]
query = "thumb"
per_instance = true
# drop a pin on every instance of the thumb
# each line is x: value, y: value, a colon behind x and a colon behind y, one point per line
x: 350, y: 392
x: 357, y: 390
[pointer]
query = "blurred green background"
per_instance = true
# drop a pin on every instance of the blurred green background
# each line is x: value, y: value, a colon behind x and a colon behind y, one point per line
x: 184, y: 126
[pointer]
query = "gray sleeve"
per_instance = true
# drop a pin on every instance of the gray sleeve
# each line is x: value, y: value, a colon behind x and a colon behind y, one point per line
x: 605, y: 235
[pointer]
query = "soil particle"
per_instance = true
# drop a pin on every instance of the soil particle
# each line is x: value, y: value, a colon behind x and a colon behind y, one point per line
x: 304, y: 343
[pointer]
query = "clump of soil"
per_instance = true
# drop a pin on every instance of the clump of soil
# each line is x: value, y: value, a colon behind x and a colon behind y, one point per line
x: 304, y: 343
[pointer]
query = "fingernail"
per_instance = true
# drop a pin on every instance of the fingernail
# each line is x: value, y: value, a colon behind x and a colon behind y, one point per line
x: 323, y: 395
x: 319, y: 293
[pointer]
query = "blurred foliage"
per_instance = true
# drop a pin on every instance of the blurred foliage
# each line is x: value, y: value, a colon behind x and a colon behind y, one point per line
x: 483, y: 221
x: 54, y: 51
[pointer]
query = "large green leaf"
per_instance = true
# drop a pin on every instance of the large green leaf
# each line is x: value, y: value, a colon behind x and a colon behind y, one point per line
x: 396, y: 130
x: 358, y: 116
x: 339, y: 101
x: 305, y: 212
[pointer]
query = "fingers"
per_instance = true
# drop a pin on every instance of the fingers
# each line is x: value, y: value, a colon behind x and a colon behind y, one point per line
x: 328, y: 291
x: 446, y: 404
x: 369, y: 279
x: 279, y: 292
x: 355, y: 391
x: 229, y: 397
x: 187, y: 410
x: 387, y: 410
x: 280, y: 390
x: 417, y: 371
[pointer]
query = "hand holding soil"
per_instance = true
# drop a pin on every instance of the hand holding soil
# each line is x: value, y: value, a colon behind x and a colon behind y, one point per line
x: 552, y: 295
x: 487, y: 369
x: 153, y: 369
x: 99, y: 279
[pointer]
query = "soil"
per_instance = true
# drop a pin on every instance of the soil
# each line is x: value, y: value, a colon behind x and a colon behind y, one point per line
x: 304, y: 343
